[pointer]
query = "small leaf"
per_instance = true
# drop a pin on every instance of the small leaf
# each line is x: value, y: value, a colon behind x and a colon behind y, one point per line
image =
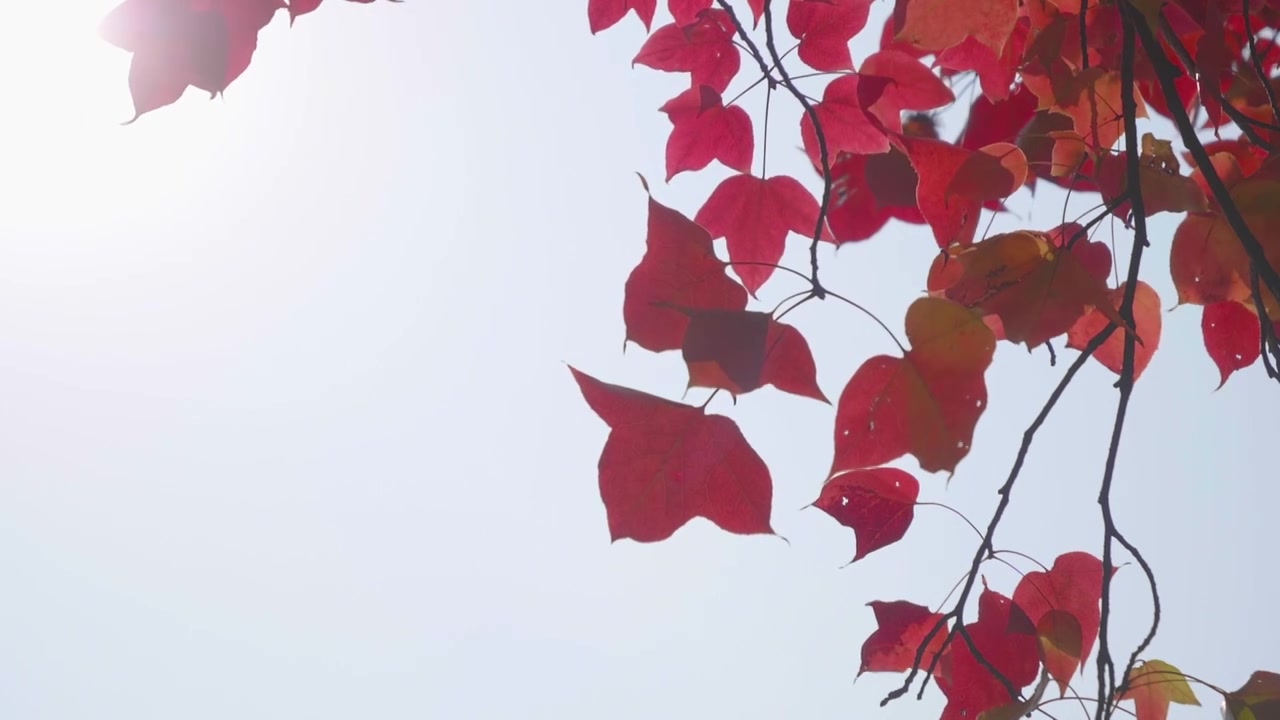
x: 1147, y: 323
x: 878, y: 504
x: 703, y: 49
x: 666, y: 463
x: 1153, y: 685
x: 901, y: 627
x: 604, y: 14
x: 940, y: 24
x: 754, y: 216
x: 705, y: 130
x: 1232, y: 336
x: 1007, y: 640
x: 740, y: 351
x: 846, y: 125
x: 824, y: 29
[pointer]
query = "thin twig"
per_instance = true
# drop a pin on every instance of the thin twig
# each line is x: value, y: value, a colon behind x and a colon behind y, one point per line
x: 1257, y: 64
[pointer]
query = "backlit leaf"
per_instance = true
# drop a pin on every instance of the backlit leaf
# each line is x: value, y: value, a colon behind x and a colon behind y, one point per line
x: 1153, y: 685
x: 1232, y: 336
x: 1147, y: 317
x: 1257, y: 699
x: 1006, y: 638
x: 926, y: 403
x: 705, y: 130
x: 703, y: 49
x: 901, y: 627
x: 666, y: 463
x: 740, y: 351
x: 824, y: 29
x: 1071, y: 588
x: 878, y: 504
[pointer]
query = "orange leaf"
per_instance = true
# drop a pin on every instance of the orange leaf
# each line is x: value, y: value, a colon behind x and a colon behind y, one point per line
x: 1153, y: 685
x: 1147, y: 321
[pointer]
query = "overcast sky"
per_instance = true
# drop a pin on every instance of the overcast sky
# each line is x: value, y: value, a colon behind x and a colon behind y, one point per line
x: 286, y: 428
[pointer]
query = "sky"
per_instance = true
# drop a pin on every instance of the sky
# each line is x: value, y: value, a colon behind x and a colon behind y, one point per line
x: 288, y: 429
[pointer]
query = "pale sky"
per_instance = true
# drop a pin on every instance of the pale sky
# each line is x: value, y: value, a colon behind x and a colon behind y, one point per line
x: 287, y: 429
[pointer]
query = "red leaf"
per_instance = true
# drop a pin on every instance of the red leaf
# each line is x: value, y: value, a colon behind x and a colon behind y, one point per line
x: 740, y: 351
x: 679, y: 271
x: 824, y: 29
x: 666, y: 463
x: 704, y: 49
x: 705, y: 130
x: 1006, y: 638
x: 878, y: 504
x: 867, y: 190
x: 901, y: 627
x: 685, y: 12
x: 1147, y: 322
x: 940, y: 24
x: 846, y: 127
x: 1072, y: 586
x: 998, y: 121
x: 996, y: 71
x: 952, y: 208
x: 1232, y: 336
x: 911, y: 86
x: 926, y: 403
x: 754, y: 215
x: 1205, y: 261
x: 604, y: 14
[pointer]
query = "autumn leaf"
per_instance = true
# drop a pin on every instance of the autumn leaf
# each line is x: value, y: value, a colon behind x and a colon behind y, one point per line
x: 1063, y: 604
x: 679, y: 272
x: 996, y: 71
x: 824, y: 29
x: 184, y: 43
x: 878, y: 504
x: 604, y: 14
x: 666, y: 463
x: 1232, y: 336
x: 1147, y: 320
x: 741, y: 350
x: 910, y: 86
x: 1006, y: 638
x: 1037, y: 290
x: 1257, y: 699
x: 1164, y: 188
x: 704, y: 49
x: 940, y: 24
x: 991, y: 121
x: 955, y: 182
x: 685, y: 12
x: 926, y: 403
x: 1205, y: 260
x: 901, y: 628
x: 860, y: 207
x: 705, y: 130
x: 1153, y: 685
x: 846, y: 126
x: 754, y: 216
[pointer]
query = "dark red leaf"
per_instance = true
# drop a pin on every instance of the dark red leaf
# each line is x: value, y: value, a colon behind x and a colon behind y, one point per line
x: 740, y: 351
x: 704, y: 49
x: 685, y: 12
x: 878, y: 504
x: 705, y: 130
x: 1232, y: 336
x: 754, y: 215
x: 901, y: 627
x: 679, y: 271
x: 666, y: 463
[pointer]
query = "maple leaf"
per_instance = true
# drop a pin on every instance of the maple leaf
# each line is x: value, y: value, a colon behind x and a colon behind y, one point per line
x: 878, y: 504
x: 1205, y: 260
x: 1164, y: 188
x: 846, y: 126
x: 685, y: 12
x: 940, y: 24
x: 177, y: 44
x: 705, y: 130
x: 741, y: 350
x: 1153, y: 685
x: 911, y: 86
x: 1232, y: 336
x: 1063, y: 604
x: 604, y: 14
x: 1257, y: 699
x: 754, y: 216
x: 1146, y: 321
x: 666, y: 463
x: 867, y: 190
x: 901, y: 627
x: 1036, y: 289
x: 1006, y: 638
x: 996, y: 72
x: 955, y: 182
x: 992, y: 121
x: 679, y: 272
x: 824, y: 29
x: 704, y: 49
x: 925, y: 403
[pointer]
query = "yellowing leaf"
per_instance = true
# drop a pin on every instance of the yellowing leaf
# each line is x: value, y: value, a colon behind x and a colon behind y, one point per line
x: 1153, y: 685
